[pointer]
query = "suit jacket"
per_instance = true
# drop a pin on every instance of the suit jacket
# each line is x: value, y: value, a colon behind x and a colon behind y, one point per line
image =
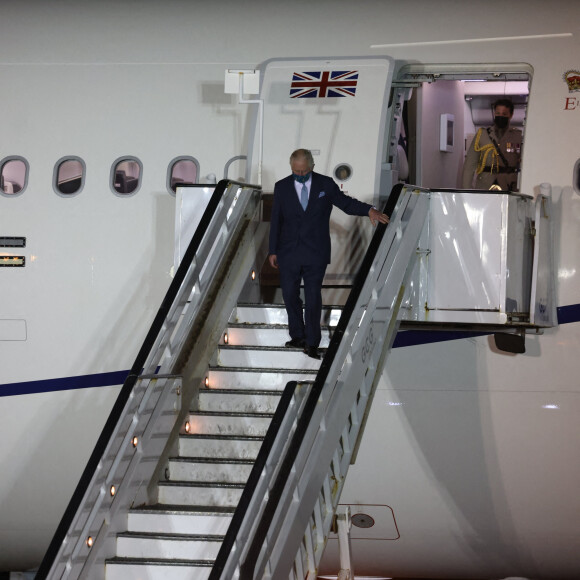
x: 304, y: 236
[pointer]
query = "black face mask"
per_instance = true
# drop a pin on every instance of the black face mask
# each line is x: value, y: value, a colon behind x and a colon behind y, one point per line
x: 501, y: 122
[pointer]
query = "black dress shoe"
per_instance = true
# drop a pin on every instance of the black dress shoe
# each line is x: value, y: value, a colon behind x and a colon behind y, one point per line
x: 296, y: 343
x: 312, y: 352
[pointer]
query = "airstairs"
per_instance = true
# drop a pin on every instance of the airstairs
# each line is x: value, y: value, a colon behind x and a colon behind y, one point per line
x: 180, y: 535
x: 228, y: 462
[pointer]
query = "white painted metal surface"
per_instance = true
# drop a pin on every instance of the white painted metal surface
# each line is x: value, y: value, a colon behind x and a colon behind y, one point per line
x: 476, y: 257
x: 543, y: 296
x: 190, y: 203
x: 467, y: 250
x: 343, y: 525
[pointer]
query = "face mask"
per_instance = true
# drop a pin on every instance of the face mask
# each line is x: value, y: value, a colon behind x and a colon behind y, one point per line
x: 302, y: 178
x: 501, y: 122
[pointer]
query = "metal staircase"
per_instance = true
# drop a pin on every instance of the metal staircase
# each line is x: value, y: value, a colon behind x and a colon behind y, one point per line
x: 147, y: 507
x: 229, y: 463
x: 179, y: 536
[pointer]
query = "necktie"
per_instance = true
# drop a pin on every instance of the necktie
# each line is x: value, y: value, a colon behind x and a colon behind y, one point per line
x: 304, y: 197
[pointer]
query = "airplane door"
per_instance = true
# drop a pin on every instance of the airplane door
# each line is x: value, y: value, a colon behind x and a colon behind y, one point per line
x: 337, y: 109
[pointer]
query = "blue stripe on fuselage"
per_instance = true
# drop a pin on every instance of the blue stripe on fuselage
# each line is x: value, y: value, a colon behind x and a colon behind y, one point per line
x: 65, y: 384
x: 566, y: 315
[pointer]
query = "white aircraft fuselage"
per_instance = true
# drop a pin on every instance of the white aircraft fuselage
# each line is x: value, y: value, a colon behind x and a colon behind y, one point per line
x: 469, y: 458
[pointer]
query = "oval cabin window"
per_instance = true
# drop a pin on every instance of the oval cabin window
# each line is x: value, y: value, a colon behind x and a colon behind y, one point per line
x: 343, y: 172
x: 13, y: 176
x: 69, y: 176
x: 126, y: 176
x: 182, y: 171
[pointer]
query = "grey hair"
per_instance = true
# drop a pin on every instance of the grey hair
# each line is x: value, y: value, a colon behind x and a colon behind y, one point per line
x: 302, y: 154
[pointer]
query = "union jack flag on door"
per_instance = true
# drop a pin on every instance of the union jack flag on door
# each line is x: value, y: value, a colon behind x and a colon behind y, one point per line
x: 323, y: 84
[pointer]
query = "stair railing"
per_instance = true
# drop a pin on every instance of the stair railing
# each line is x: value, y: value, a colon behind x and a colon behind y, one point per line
x: 284, y: 533
x: 128, y: 449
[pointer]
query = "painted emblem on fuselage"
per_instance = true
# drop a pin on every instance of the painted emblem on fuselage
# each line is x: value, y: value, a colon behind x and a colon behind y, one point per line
x: 572, y: 78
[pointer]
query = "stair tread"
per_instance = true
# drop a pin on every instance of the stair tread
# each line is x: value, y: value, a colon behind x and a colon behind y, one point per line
x: 222, y: 391
x: 281, y: 304
x: 160, y: 562
x: 221, y: 437
x: 176, y: 537
x: 272, y: 326
x: 260, y: 370
x: 281, y: 348
x: 213, y: 460
x: 183, y: 509
x: 203, y: 484
x: 232, y: 413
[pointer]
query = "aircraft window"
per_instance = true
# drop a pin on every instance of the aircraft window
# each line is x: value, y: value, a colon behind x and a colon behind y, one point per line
x: 126, y: 176
x: 576, y: 178
x: 182, y: 171
x: 343, y: 172
x: 13, y: 176
x: 239, y: 175
x: 69, y: 176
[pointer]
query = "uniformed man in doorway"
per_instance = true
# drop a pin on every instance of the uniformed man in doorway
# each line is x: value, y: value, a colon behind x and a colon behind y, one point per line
x: 494, y: 154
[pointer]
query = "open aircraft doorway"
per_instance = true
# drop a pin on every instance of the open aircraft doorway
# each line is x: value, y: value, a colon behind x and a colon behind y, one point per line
x: 446, y: 108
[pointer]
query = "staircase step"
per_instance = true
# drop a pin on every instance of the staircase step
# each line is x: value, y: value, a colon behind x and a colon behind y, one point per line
x: 258, y: 378
x: 219, y: 446
x: 165, y: 519
x: 265, y: 357
x: 200, y: 493
x: 150, y: 569
x: 206, y: 469
x: 168, y: 546
x: 210, y: 423
x: 276, y: 314
x: 265, y: 334
x: 238, y: 401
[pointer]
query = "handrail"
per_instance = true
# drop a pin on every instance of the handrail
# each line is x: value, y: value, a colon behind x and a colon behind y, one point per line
x: 253, y: 480
x: 275, y: 493
x: 247, y: 569
x: 141, y: 365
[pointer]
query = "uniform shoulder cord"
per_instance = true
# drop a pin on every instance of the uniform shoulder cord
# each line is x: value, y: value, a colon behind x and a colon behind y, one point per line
x: 484, y: 151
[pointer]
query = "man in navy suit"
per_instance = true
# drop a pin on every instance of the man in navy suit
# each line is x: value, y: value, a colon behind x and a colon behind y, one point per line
x: 300, y: 243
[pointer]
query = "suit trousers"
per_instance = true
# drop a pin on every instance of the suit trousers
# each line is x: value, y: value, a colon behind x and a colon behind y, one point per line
x: 308, y: 326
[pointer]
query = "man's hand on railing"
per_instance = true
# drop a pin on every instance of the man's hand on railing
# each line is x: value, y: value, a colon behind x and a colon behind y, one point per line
x: 376, y: 216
